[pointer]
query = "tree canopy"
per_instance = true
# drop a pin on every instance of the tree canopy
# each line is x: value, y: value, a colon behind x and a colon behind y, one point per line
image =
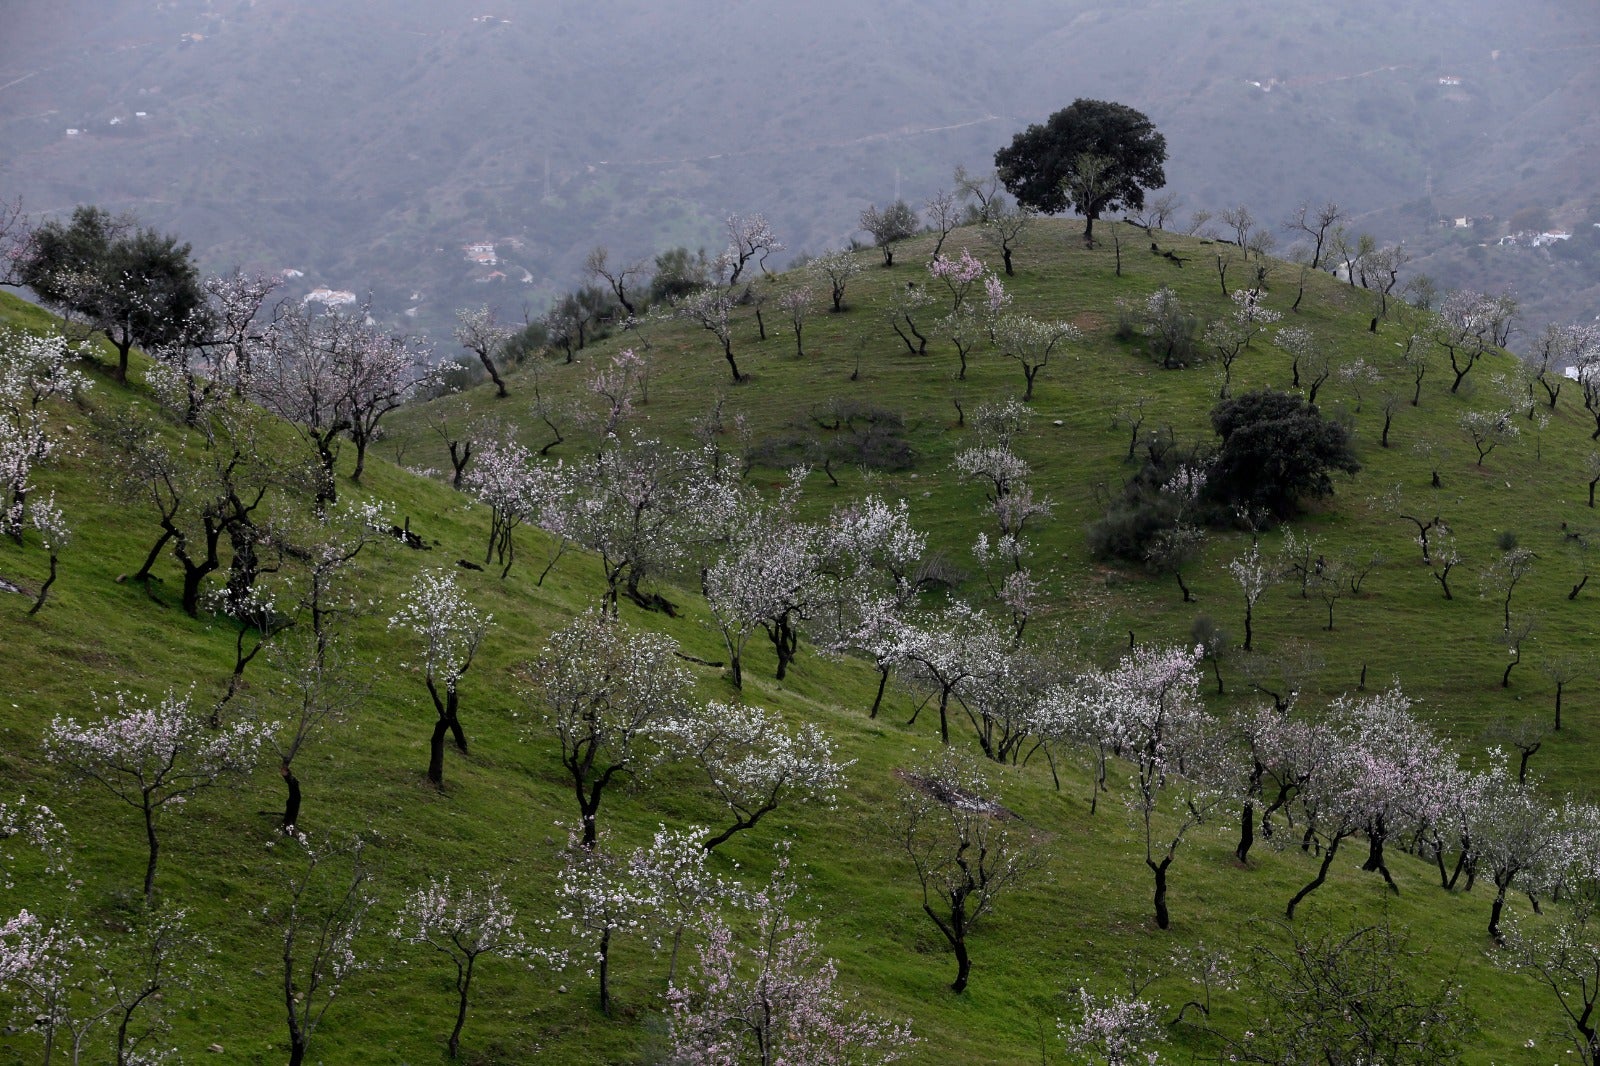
x: 1276, y: 449
x: 1093, y: 156
x: 135, y: 285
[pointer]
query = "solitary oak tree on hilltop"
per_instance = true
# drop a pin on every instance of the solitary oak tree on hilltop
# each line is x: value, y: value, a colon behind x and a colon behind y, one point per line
x: 1093, y: 156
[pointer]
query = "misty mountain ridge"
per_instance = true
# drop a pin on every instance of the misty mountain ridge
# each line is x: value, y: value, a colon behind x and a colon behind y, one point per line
x: 369, y: 145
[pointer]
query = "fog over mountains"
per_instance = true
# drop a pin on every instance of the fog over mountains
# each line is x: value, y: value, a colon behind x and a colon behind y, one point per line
x: 369, y: 144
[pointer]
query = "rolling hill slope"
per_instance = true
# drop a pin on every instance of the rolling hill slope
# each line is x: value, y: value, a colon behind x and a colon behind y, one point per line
x: 1082, y: 920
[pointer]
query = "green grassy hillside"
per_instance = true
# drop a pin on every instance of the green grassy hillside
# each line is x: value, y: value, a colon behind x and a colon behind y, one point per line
x: 1084, y: 919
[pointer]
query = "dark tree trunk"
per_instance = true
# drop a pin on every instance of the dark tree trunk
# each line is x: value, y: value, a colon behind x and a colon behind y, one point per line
x: 327, y: 484
x: 1501, y: 885
x: 1316, y: 882
x: 1522, y: 764
x: 436, y: 753
x: 1376, y: 835
x: 155, y: 849
x: 464, y: 986
x: 741, y: 823
x: 291, y: 805
x: 194, y: 574
x: 1461, y: 865
x: 786, y: 642
x: 449, y: 712
x: 44, y: 590
x: 460, y: 455
x: 1247, y: 816
x: 1163, y: 920
x: 605, y: 972
x: 589, y: 803
x: 727, y: 353
x: 963, y: 967
x: 166, y: 534
x: 127, y: 1018
x: 494, y: 375
x: 883, y: 681
x: 124, y: 344
x: 1188, y: 597
x: 894, y: 324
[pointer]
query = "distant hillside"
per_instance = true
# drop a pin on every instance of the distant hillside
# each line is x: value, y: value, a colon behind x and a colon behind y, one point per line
x: 367, y: 144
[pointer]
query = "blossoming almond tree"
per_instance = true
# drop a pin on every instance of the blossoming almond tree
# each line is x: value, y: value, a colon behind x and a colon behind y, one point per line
x: 752, y: 762
x: 958, y: 276
x: 835, y: 269
x: 321, y: 922
x: 771, y: 999
x: 749, y: 237
x: 54, y: 536
x: 709, y: 308
x: 947, y: 653
x: 314, y: 685
x: 796, y: 305
x: 872, y: 572
x: 33, y: 948
x: 1177, y: 750
x: 624, y: 505
x: 606, y: 690
x: 964, y: 854
x: 153, y: 755
x: 767, y: 576
x: 672, y: 870
x: 1519, y: 841
x: 464, y: 924
x: 1120, y: 1028
x: 436, y: 609
x: 503, y: 478
x: 602, y: 896
x: 1255, y: 574
x: 479, y: 333
x: 33, y: 369
x: 1563, y: 956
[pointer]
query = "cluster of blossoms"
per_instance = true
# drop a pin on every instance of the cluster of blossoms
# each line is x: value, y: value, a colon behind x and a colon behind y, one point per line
x: 959, y: 276
x: 33, y: 369
x: 772, y: 998
x: 1116, y: 1027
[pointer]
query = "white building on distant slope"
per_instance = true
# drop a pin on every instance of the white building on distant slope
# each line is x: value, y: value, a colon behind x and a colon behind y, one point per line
x: 329, y: 297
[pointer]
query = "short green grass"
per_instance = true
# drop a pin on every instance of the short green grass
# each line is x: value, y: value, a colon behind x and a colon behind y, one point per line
x: 1081, y: 921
